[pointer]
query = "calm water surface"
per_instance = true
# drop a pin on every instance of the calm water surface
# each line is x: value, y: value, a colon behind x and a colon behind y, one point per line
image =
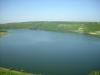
x: 50, y: 53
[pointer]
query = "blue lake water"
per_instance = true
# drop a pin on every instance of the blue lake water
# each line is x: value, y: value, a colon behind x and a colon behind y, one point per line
x: 50, y: 53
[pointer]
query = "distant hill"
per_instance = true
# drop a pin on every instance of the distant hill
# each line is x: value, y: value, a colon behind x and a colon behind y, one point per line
x: 92, y: 28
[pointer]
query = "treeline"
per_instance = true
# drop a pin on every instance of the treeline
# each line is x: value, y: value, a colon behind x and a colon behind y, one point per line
x: 54, y: 26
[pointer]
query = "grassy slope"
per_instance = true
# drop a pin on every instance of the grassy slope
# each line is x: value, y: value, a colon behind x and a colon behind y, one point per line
x: 5, y: 71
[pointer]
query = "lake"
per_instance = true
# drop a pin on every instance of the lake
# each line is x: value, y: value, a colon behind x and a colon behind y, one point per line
x: 50, y: 53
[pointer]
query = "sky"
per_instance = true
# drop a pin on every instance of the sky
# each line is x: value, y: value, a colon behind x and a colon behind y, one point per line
x: 49, y: 10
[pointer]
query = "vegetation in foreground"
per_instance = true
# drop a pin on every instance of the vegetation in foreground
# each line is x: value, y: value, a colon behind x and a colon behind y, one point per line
x: 3, y: 33
x: 5, y: 71
x: 92, y: 28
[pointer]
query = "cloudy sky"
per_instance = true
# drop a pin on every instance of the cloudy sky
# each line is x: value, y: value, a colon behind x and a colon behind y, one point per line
x: 49, y: 10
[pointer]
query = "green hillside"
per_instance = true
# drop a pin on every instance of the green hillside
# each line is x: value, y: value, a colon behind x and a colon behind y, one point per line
x: 92, y: 28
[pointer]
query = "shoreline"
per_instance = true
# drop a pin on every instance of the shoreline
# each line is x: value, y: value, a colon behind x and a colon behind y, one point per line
x: 3, y: 33
x: 8, y: 71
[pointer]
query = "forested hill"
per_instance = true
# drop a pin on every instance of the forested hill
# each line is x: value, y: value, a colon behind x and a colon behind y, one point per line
x: 60, y: 26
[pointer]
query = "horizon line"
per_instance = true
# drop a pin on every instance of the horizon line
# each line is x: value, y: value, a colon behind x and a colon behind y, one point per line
x: 48, y: 21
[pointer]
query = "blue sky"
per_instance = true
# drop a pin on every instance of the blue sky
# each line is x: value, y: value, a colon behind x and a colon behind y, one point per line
x: 49, y: 10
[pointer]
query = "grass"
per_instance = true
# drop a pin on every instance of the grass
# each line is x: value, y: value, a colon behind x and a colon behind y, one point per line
x: 5, y: 71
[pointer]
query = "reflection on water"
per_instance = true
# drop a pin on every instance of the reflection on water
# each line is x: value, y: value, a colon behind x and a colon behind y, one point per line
x: 3, y: 34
